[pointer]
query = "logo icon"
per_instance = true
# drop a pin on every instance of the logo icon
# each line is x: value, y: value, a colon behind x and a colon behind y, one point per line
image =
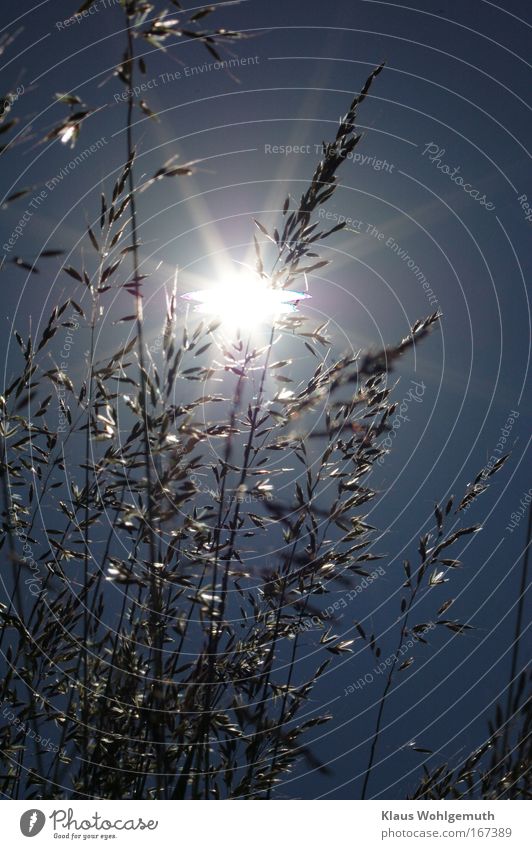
x: 32, y: 822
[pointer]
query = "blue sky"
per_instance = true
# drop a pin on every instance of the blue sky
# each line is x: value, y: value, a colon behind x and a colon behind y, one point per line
x: 438, y: 193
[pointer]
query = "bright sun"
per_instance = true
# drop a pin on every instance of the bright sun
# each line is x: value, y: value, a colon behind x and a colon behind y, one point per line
x: 243, y: 300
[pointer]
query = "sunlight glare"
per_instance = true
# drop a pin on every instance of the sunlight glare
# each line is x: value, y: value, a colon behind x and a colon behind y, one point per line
x: 243, y: 299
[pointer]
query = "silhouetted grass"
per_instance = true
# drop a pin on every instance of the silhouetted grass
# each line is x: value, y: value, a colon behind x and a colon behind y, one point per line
x: 161, y: 660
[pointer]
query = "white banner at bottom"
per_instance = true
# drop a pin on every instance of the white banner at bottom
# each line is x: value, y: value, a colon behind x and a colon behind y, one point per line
x: 280, y: 824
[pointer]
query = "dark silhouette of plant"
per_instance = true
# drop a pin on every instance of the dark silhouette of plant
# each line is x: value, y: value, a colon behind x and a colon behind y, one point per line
x: 500, y: 767
x: 161, y: 645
